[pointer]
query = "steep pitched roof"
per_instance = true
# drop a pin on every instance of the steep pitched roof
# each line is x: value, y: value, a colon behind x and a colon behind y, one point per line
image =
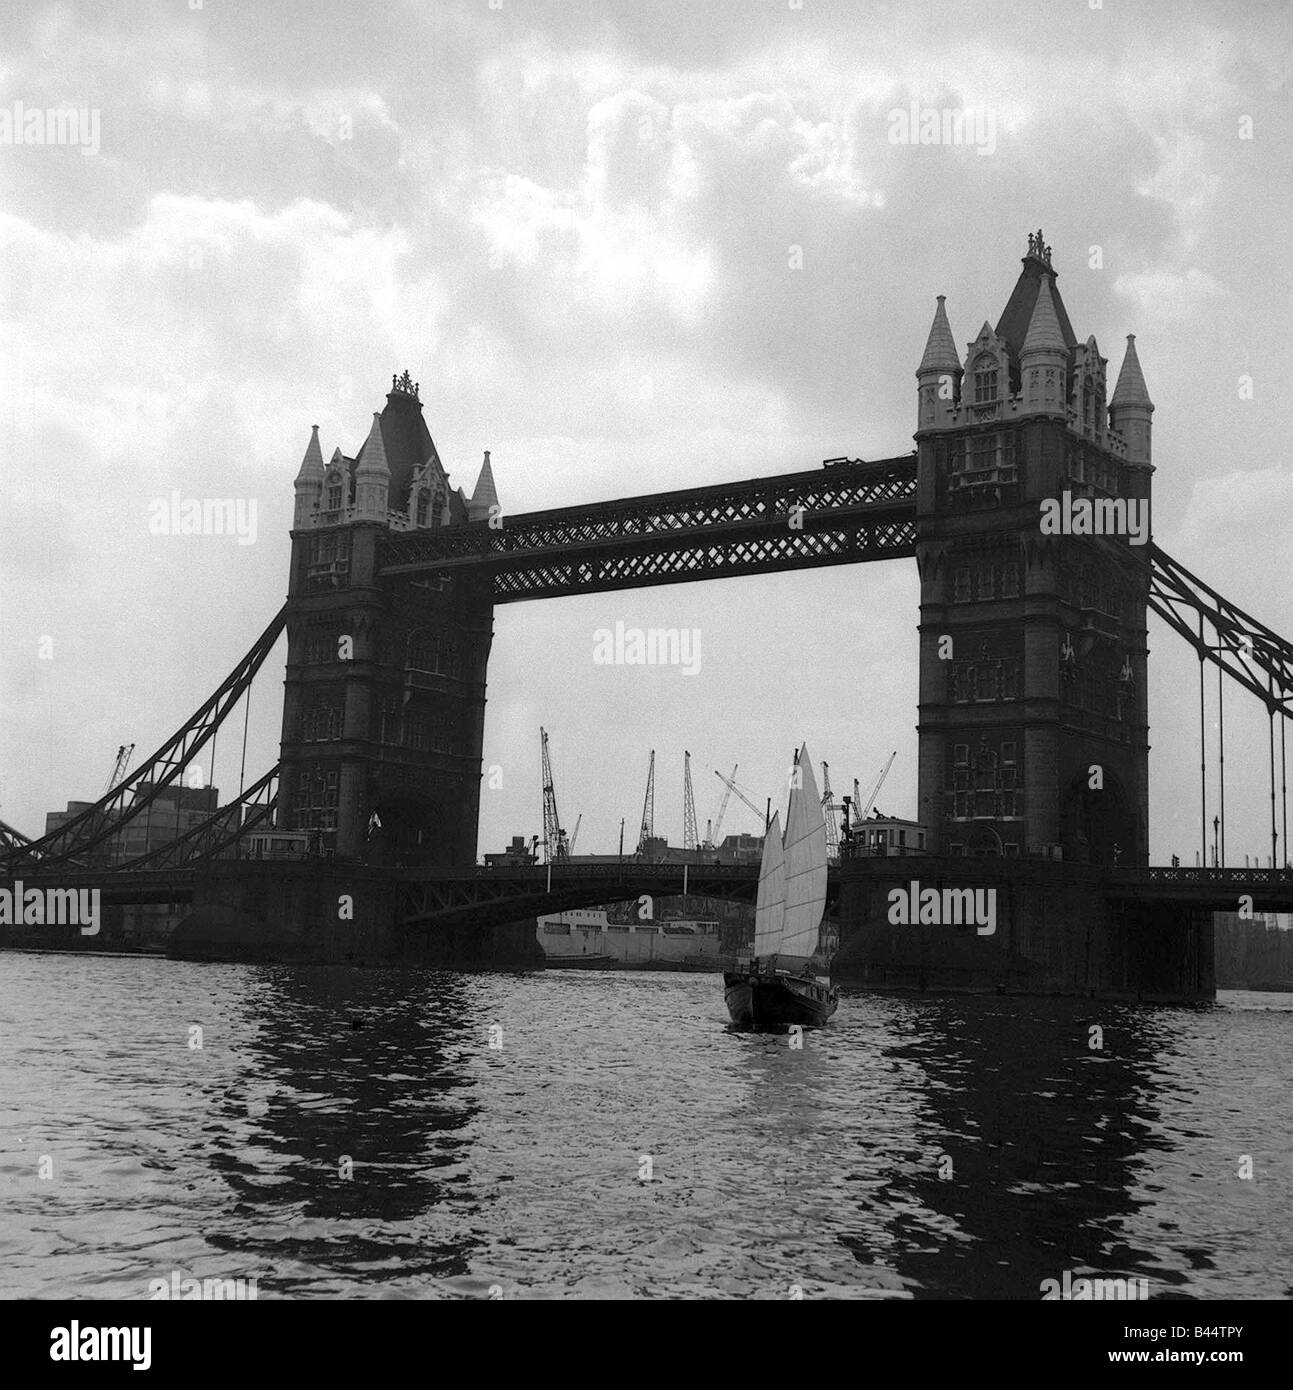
x: 1018, y: 313
x: 405, y: 441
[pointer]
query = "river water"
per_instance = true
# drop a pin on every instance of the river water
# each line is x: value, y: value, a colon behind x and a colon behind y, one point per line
x: 384, y: 1133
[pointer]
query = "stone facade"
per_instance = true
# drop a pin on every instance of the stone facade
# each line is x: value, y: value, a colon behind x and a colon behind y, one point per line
x: 384, y: 701
x: 1033, y: 726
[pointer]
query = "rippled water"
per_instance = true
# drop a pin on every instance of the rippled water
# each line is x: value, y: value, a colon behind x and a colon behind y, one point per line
x: 520, y: 1166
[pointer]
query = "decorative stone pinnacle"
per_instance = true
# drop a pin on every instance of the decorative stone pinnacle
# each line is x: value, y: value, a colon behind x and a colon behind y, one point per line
x: 405, y: 385
x: 1037, y: 246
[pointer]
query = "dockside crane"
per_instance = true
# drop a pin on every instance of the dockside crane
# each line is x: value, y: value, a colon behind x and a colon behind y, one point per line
x: 731, y: 785
x: 875, y: 791
x: 124, y: 754
x: 722, y: 807
x: 574, y: 834
x: 829, y: 812
x: 689, y: 837
x: 554, y: 838
x: 648, y: 808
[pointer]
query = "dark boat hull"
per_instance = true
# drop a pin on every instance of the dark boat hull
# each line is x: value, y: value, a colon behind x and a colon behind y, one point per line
x: 774, y: 1003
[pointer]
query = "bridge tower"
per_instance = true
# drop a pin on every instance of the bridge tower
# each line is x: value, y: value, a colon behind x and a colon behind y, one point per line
x: 384, y: 701
x: 1033, y: 726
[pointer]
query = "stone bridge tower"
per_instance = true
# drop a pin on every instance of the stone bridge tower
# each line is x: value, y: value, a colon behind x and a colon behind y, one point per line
x: 1033, y: 726
x: 384, y: 701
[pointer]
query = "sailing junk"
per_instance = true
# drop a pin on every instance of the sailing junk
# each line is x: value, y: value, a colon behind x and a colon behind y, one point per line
x: 787, y: 983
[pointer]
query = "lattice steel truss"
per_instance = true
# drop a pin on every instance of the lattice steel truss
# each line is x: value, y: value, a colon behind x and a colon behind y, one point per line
x: 123, y: 803
x: 481, y: 896
x: 1246, y: 650
x: 841, y: 514
x: 210, y: 838
x: 11, y: 839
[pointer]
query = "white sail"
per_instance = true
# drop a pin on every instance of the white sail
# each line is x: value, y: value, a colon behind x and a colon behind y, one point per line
x: 805, y: 865
x: 771, y: 906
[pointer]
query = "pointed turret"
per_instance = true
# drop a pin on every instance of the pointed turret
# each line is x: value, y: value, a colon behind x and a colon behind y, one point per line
x: 1131, y: 388
x: 940, y: 349
x: 1043, y: 358
x: 309, y: 482
x: 312, y: 463
x: 1044, y: 332
x: 1131, y: 408
x: 485, y: 495
x: 372, y: 476
x: 939, y: 375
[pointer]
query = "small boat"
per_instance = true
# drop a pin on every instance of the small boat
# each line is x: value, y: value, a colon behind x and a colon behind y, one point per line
x: 787, y: 983
x: 584, y: 962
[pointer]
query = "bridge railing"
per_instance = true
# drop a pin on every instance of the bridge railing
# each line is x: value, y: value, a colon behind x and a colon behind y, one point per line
x: 626, y: 868
x: 1182, y: 874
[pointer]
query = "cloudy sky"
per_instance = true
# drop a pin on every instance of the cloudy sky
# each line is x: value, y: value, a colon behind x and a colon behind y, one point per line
x: 576, y: 225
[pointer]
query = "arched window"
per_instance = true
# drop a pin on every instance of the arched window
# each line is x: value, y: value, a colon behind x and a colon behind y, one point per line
x: 422, y: 502
x: 985, y: 379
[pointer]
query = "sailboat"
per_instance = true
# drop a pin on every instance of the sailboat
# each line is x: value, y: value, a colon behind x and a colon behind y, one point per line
x: 787, y: 983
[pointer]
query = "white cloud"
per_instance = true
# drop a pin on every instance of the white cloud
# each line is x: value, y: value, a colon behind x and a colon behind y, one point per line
x: 1168, y: 296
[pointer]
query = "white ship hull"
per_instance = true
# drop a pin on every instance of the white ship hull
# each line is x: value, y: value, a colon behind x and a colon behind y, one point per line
x: 569, y: 937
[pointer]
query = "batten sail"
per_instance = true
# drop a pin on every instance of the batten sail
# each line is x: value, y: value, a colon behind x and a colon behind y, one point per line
x: 805, y: 866
x: 769, y: 914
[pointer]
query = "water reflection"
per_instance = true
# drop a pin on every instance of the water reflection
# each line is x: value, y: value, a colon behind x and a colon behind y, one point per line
x: 770, y: 1168
x: 343, y: 1138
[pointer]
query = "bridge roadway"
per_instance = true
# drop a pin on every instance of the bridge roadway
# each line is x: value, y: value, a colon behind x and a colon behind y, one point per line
x: 455, y: 897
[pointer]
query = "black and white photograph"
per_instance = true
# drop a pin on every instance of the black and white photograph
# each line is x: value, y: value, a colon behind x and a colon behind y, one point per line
x: 647, y: 658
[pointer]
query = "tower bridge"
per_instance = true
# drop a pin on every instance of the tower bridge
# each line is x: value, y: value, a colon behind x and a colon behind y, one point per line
x: 1032, y: 659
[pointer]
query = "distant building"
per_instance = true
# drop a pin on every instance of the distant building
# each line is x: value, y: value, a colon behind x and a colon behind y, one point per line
x: 740, y: 849
x: 516, y: 855
x: 889, y: 835
x: 176, y: 810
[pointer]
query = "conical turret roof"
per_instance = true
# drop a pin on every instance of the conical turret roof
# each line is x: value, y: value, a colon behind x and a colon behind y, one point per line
x: 312, y: 463
x: 486, y: 494
x: 372, y: 457
x: 1131, y: 388
x: 1044, y: 331
x: 940, y: 349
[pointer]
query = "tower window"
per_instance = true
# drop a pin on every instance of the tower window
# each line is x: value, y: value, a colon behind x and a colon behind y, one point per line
x: 985, y: 386
x: 334, y: 496
x: 422, y: 508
